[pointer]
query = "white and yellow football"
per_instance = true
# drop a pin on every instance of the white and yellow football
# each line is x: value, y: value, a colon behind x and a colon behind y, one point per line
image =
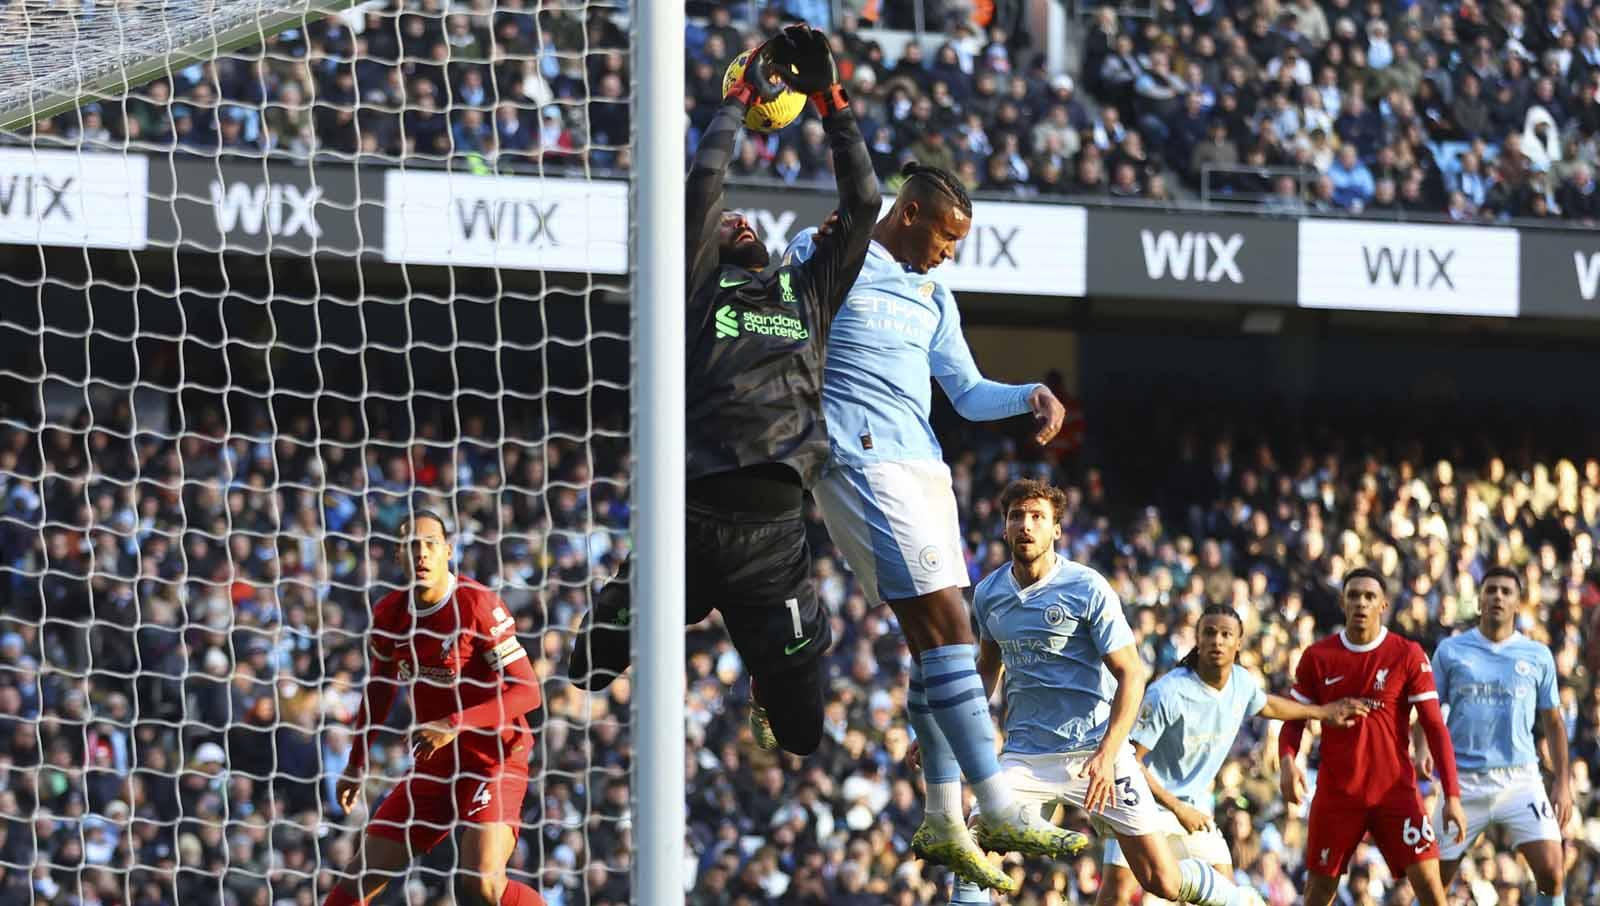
x: 765, y: 116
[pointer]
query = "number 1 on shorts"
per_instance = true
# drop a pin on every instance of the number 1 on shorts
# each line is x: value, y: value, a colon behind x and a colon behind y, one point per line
x: 794, y: 614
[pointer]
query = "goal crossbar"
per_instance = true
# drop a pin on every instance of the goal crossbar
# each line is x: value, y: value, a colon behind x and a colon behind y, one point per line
x: 51, y: 61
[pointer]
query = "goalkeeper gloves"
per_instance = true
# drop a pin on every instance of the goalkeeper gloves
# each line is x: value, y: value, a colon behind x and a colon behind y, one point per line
x: 759, y: 82
x: 803, y: 59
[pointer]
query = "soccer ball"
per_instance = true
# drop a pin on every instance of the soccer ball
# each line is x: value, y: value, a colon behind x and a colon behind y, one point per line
x: 766, y: 116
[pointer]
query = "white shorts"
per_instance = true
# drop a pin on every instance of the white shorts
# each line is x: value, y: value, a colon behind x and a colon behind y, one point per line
x: 1049, y: 780
x: 1207, y: 845
x: 1511, y: 798
x: 896, y: 524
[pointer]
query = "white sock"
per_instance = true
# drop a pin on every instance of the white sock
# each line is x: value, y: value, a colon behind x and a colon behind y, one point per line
x: 944, y: 799
x: 994, y: 795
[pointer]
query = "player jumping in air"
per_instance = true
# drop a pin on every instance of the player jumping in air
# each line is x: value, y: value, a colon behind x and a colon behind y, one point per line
x: 1366, y: 781
x: 1185, y: 729
x: 453, y: 643
x: 1055, y: 632
x: 756, y: 438
x: 1496, y: 682
x: 889, y: 506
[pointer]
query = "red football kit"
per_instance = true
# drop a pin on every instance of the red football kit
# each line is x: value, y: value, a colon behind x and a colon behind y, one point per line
x: 1366, y: 781
x: 463, y: 663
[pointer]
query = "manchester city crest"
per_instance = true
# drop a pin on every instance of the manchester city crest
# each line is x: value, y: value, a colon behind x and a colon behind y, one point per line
x: 1055, y: 615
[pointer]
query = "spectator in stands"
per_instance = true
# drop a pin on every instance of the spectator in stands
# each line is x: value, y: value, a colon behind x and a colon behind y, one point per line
x: 1352, y: 182
x: 1579, y: 199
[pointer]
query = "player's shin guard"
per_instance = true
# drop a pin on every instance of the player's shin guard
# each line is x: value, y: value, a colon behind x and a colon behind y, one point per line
x: 1200, y: 884
x: 520, y: 894
x: 940, y: 770
x: 959, y: 706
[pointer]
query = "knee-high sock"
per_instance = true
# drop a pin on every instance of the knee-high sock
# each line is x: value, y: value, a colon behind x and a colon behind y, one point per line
x: 958, y: 703
x: 1200, y: 884
x: 940, y: 770
x: 1549, y: 899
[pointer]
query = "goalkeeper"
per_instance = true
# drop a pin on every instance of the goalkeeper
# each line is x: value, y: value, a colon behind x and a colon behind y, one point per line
x: 756, y: 437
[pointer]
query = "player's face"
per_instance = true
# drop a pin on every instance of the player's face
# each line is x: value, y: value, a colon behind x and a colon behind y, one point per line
x: 738, y: 243
x: 1219, y: 640
x: 1364, y: 605
x: 934, y: 231
x: 1031, y: 529
x: 427, y: 553
x: 1498, y: 600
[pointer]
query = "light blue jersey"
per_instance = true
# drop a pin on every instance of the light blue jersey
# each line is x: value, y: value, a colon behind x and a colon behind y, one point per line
x: 895, y: 331
x: 1494, y: 690
x: 1052, y: 637
x: 1189, y: 727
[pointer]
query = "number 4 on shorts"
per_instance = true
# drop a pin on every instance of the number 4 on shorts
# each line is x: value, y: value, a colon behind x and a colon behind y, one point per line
x: 481, y: 798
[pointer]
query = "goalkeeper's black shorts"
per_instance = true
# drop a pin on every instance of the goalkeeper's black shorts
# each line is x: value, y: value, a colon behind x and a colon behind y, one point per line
x: 755, y: 569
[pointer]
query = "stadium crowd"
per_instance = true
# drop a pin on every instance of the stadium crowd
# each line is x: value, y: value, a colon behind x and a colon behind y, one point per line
x: 1468, y: 111
x: 180, y: 652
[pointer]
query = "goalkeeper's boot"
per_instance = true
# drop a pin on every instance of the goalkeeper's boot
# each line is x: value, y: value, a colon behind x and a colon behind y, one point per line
x: 1019, y: 829
x: 601, y: 652
x: 944, y: 840
x: 760, y: 723
x: 761, y: 727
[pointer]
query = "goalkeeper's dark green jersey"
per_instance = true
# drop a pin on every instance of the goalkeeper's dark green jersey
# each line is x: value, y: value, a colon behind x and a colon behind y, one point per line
x: 756, y: 339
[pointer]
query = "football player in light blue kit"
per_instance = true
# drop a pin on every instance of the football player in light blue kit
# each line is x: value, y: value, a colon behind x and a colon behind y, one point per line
x: 1185, y: 730
x: 1055, y: 631
x: 889, y: 506
x: 1495, y: 683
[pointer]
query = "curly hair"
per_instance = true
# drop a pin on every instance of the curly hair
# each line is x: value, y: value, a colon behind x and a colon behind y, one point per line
x: 1033, y: 489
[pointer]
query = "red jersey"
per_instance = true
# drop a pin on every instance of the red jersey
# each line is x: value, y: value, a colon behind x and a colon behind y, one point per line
x: 454, y: 656
x: 1370, y: 761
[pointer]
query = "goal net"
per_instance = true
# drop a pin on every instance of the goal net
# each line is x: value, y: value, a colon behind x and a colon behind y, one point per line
x: 253, y: 313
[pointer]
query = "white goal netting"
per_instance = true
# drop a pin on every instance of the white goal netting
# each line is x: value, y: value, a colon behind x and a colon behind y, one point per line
x: 253, y: 312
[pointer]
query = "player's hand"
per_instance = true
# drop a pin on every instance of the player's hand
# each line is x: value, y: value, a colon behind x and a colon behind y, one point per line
x: 348, y: 790
x: 1561, y: 798
x: 759, y: 82
x: 1192, y: 819
x: 431, y: 737
x: 1455, y: 815
x: 802, y: 57
x: 1101, y: 772
x: 1291, y: 781
x: 1346, y: 711
x: 1048, y: 413
x: 914, y: 756
x: 1425, y: 763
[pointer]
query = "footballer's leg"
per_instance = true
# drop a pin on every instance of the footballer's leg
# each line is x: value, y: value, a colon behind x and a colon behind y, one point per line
x: 411, y: 820
x: 481, y: 875
x: 1145, y: 844
x: 1524, y: 810
x: 1405, y: 836
x: 1546, y: 860
x: 489, y: 801
x: 601, y: 651
x: 761, y: 582
x: 1333, y: 831
x: 377, y: 861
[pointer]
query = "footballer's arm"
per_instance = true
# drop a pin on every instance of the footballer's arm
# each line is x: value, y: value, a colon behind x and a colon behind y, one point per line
x: 1130, y: 674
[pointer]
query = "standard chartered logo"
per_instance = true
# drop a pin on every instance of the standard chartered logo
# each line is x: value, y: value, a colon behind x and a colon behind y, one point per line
x: 731, y: 322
